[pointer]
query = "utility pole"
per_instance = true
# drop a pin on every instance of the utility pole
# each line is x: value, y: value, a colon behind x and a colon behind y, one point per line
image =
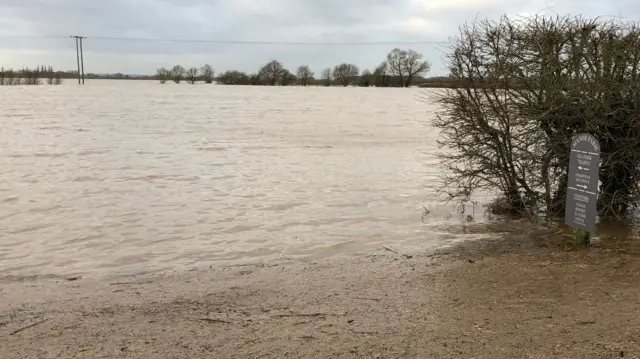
x: 80, y: 58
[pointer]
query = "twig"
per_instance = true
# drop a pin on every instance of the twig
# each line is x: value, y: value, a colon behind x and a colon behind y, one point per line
x: 609, y: 295
x: 303, y: 322
x: 424, y: 214
x: 214, y: 320
x: 389, y: 249
x: 365, y: 298
x: 585, y: 322
x: 36, y: 350
x: 306, y: 315
x: 364, y: 332
x: 27, y: 327
x: 125, y: 283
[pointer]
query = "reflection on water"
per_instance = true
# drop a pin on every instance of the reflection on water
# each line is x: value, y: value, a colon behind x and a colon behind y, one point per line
x: 134, y: 176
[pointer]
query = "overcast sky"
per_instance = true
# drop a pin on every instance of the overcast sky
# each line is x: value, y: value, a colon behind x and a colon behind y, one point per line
x: 251, y: 20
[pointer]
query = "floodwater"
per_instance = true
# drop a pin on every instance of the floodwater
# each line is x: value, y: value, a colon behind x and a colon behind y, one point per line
x: 129, y: 176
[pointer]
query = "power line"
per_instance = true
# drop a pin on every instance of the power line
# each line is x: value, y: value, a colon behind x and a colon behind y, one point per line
x: 25, y: 37
x: 233, y: 42
x: 255, y: 42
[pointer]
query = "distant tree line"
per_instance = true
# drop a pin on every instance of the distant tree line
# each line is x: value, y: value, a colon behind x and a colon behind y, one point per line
x: 192, y: 75
x: 46, y: 71
x: 27, y: 76
x: 401, y: 68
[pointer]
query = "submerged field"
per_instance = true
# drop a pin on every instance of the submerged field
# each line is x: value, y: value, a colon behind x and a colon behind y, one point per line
x: 119, y: 177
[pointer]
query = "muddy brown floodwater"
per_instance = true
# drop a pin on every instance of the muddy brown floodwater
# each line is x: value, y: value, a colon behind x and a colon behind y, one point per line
x: 147, y: 221
x: 123, y: 177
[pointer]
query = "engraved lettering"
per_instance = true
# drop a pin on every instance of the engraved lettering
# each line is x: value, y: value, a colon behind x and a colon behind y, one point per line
x: 580, y: 197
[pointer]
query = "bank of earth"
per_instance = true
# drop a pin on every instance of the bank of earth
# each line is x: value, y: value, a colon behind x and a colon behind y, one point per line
x: 504, y: 298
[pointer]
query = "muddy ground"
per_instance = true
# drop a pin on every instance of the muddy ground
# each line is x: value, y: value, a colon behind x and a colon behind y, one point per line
x: 493, y: 299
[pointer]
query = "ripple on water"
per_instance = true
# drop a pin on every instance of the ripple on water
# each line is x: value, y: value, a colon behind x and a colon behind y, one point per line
x: 32, y: 228
x: 282, y: 206
x: 212, y: 149
x: 128, y: 178
x: 40, y: 155
x: 92, y: 152
x: 86, y: 179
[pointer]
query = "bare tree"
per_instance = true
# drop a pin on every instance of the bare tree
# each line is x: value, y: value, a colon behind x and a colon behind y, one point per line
x: 50, y: 76
x: 207, y: 73
x: 53, y: 77
x: 326, y: 77
x: 414, y: 65
x: 405, y: 65
x: 10, y: 78
x: 30, y: 76
x: 272, y: 72
x: 395, y: 64
x: 304, y: 74
x: 26, y: 76
x: 163, y: 75
x: 192, y: 75
x: 177, y: 72
x: 344, y: 73
x: 57, y: 78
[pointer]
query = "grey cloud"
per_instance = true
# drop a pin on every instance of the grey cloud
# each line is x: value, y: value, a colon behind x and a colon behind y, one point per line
x: 259, y: 20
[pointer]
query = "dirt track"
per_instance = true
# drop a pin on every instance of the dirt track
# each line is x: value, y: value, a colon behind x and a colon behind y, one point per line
x: 477, y: 302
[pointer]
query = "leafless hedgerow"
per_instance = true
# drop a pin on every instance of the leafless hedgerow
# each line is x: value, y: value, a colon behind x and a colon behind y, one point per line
x: 29, y: 76
x: 253, y: 80
x: 528, y: 86
x: 234, y: 78
x: 366, y: 79
x: 12, y: 78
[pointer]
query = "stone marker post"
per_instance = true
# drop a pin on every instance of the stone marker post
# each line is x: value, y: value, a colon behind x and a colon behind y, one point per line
x: 582, y: 186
